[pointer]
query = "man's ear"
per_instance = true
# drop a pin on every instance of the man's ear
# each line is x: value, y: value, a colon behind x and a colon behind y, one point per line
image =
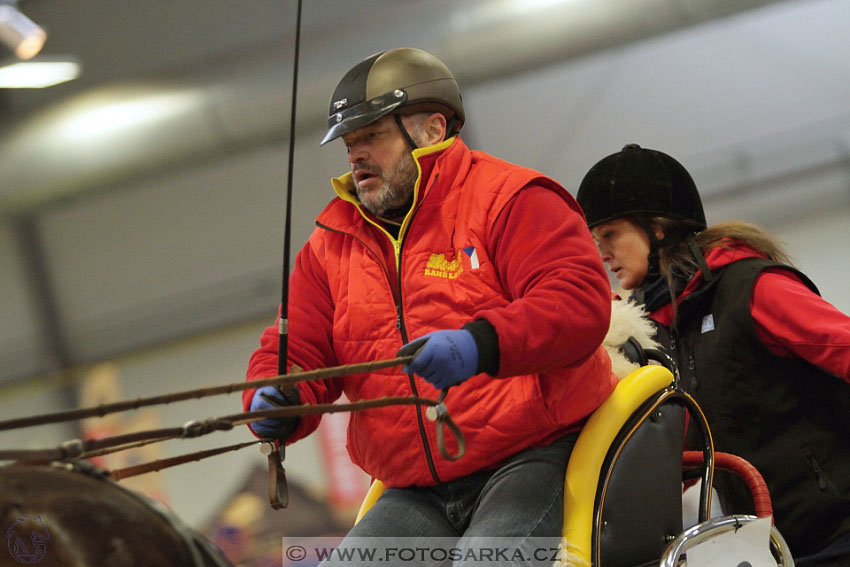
x: 434, y: 128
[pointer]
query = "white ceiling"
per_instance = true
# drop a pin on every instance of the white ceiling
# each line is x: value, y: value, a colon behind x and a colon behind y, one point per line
x: 117, y: 234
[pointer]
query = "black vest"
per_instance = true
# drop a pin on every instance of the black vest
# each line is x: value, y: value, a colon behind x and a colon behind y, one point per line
x: 787, y: 417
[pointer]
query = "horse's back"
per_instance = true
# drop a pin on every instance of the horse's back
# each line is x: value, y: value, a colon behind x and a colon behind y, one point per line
x: 55, y: 517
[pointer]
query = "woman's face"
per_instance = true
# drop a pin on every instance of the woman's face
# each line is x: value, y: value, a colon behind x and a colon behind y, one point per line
x: 624, y: 247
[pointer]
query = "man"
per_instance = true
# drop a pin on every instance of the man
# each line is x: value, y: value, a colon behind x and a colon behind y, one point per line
x: 490, y: 267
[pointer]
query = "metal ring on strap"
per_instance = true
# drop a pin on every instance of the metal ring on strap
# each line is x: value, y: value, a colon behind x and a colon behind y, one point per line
x: 440, y: 414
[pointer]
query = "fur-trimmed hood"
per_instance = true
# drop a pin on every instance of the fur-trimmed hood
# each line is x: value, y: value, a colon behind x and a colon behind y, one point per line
x: 628, y: 319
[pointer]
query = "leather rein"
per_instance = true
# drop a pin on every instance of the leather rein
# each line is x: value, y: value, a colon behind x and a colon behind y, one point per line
x: 78, y: 449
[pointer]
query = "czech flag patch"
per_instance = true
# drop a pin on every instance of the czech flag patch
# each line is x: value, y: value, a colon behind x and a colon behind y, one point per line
x: 469, y: 258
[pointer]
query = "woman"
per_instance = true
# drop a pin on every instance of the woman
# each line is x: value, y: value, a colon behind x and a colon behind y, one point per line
x: 765, y: 356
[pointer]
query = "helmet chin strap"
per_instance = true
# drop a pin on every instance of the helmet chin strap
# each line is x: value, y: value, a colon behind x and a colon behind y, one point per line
x: 404, y: 132
x: 654, y: 269
x: 699, y: 257
x: 397, y: 214
x: 452, y: 128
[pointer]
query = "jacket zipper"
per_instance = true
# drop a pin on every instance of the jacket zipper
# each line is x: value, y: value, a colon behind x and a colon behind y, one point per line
x: 397, y: 245
x: 816, y: 468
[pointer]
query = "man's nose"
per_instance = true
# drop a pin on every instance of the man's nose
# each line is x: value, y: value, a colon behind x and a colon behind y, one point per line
x: 357, y: 153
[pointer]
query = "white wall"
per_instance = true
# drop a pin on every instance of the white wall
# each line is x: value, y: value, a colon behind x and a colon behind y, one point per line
x: 819, y: 247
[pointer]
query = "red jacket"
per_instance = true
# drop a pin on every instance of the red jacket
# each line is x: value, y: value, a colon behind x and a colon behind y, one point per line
x: 486, y: 239
x: 791, y: 320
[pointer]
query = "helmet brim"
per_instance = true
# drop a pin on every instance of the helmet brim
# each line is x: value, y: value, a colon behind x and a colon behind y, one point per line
x: 360, y: 115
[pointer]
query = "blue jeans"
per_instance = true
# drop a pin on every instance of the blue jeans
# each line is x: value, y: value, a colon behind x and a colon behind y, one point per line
x: 522, y: 499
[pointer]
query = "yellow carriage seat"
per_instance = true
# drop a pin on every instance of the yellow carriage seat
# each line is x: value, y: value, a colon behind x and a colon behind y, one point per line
x: 623, y: 487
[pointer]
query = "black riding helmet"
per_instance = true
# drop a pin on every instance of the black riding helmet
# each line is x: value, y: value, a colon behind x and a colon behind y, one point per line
x: 386, y: 82
x: 643, y: 183
x: 639, y: 182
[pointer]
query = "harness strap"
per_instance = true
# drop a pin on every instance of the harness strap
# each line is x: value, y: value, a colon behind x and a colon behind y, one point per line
x: 439, y: 413
x: 283, y: 380
x: 278, y: 488
x: 76, y: 448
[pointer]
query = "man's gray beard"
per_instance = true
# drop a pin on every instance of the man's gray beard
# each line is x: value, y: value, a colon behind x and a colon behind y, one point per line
x: 395, y: 191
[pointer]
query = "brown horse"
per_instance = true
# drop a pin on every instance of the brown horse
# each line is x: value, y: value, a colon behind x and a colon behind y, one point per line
x: 62, y: 516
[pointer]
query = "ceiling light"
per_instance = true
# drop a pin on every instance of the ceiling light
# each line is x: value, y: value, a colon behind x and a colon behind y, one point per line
x: 501, y: 11
x: 38, y: 73
x: 536, y: 5
x: 108, y: 115
x: 18, y: 32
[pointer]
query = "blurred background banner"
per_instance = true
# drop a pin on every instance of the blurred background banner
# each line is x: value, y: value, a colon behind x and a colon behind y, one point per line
x: 347, y: 483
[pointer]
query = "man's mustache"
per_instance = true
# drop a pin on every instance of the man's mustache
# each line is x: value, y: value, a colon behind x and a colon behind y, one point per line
x: 374, y: 170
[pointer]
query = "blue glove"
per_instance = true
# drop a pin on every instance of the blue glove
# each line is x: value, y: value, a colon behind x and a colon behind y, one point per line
x: 443, y: 358
x: 269, y: 397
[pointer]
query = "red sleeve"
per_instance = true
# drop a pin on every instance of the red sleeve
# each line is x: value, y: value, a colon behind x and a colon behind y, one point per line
x: 552, y: 271
x: 791, y: 320
x: 309, y: 340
